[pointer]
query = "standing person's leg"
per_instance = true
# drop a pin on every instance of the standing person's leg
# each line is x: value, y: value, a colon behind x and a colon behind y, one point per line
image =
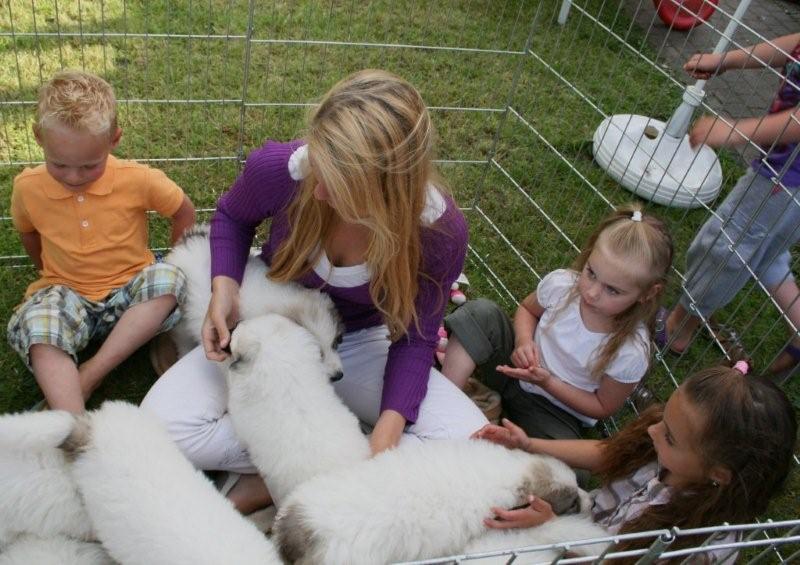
x: 142, y: 308
x: 47, y: 332
x: 445, y: 412
x: 775, y: 272
x: 715, y: 272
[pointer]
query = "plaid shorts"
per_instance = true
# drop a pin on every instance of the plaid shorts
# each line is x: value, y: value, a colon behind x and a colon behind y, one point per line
x: 57, y: 315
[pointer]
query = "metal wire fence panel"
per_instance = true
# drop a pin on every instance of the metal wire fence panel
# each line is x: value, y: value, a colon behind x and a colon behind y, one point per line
x: 516, y: 97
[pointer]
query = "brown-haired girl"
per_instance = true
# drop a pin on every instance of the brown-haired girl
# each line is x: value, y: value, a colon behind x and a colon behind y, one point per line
x: 717, y: 452
x: 579, y: 345
x: 357, y: 211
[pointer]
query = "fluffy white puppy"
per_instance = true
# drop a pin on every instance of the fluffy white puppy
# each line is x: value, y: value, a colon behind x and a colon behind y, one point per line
x: 283, y: 406
x: 58, y: 550
x: 257, y: 295
x: 37, y: 493
x: 415, y: 502
x: 573, y: 528
x: 148, y: 503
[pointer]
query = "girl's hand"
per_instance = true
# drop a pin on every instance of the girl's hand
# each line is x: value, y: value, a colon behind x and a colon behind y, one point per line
x: 536, y: 513
x: 508, y: 435
x: 536, y: 375
x: 222, y: 314
x: 705, y: 65
x: 525, y: 355
x: 712, y: 131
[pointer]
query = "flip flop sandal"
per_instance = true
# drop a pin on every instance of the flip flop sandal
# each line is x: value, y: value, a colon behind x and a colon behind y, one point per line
x: 660, y: 337
x: 729, y: 339
x: 40, y: 406
x: 783, y: 375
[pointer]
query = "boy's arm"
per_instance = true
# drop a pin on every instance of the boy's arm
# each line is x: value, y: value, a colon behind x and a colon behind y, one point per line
x: 778, y: 128
x: 32, y: 242
x: 183, y: 219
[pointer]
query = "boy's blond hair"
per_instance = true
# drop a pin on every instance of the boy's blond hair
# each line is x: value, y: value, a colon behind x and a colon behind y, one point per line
x: 78, y: 100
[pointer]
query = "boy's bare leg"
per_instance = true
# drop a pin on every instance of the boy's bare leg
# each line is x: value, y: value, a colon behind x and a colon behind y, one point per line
x: 680, y: 327
x: 787, y: 295
x: 57, y: 376
x: 458, y: 365
x: 250, y: 494
x: 135, y: 327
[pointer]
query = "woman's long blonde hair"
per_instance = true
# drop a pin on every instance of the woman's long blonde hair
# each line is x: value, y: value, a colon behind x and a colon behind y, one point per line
x: 646, y: 243
x: 370, y: 141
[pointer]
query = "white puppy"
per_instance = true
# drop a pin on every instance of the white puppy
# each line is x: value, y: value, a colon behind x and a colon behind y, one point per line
x: 415, y: 502
x: 257, y: 295
x: 283, y: 406
x: 148, y: 503
x: 58, y: 550
x: 37, y: 493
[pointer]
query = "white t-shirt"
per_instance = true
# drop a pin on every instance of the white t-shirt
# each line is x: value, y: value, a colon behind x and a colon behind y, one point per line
x: 568, y: 349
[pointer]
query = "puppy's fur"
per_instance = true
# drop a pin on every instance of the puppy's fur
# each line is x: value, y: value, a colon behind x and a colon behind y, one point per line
x: 57, y: 550
x: 148, y: 503
x: 417, y: 501
x: 283, y: 406
x: 257, y: 295
x: 37, y: 493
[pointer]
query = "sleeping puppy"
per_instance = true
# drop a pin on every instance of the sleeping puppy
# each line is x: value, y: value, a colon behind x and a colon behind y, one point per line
x: 415, y: 502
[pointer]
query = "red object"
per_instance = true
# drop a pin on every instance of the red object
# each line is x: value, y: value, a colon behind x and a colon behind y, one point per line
x: 684, y: 14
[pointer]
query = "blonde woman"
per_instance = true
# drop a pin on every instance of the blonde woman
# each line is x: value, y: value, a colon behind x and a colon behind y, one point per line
x: 359, y: 212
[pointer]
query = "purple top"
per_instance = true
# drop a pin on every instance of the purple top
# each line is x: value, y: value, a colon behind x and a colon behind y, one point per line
x: 264, y: 190
x: 788, y: 96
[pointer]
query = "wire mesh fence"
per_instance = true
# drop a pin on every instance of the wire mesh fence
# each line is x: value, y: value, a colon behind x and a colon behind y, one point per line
x: 516, y: 97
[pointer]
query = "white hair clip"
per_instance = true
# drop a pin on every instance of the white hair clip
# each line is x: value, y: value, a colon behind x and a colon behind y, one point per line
x: 636, y: 216
x: 299, y: 167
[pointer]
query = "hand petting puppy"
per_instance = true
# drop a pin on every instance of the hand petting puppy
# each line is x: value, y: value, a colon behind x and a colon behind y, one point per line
x: 535, y: 513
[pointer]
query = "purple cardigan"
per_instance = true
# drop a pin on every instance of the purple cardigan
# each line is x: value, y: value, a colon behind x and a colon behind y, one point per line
x: 264, y: 190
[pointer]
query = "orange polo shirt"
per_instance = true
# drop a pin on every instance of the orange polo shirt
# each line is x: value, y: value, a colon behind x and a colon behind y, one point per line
x: 96, y: 239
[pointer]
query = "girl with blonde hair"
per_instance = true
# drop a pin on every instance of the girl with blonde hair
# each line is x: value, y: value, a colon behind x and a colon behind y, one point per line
x: 358, y: 212
x: 580, y: 343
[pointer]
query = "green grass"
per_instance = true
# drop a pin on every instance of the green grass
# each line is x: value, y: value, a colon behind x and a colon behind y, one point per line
x: 207, y: 74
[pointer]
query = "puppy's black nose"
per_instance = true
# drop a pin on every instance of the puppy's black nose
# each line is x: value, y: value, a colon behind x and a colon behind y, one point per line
x: 337, y: 376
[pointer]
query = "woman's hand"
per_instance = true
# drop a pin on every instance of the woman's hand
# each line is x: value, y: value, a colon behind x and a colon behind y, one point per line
x: 705, y: 65
x: 387, y: 431
x: 222, y: 315
x: 536, y: 513
x: 508, y: 435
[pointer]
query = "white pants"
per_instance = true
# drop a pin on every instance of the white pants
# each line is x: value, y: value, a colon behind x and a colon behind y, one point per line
x: 191, y: 399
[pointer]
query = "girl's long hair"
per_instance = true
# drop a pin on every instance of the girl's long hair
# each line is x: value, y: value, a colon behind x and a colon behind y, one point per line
x: 647, y: 244
x: 371, y: 142
x: 749, y: 429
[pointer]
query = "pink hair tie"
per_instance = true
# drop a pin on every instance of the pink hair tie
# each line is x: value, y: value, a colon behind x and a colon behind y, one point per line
x: 742, y: 366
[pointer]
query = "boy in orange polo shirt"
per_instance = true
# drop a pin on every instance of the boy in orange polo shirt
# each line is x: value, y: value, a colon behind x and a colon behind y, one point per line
x: 82, y: 219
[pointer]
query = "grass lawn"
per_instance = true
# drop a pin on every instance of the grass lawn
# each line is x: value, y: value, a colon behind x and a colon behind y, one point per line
x: 196, y: 96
